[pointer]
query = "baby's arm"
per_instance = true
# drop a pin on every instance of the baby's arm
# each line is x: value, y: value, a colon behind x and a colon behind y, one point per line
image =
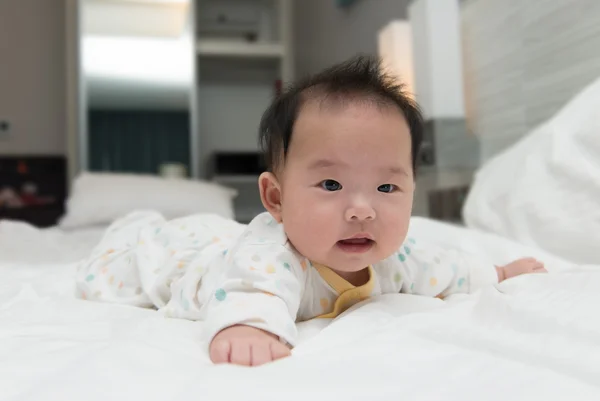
x: 254, y: 308
x: 518, y: 267
x: 436, y: 272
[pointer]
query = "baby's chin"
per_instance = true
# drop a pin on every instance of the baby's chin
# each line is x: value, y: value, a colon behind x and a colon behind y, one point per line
x: 350, y: 265
x: 342, y: 260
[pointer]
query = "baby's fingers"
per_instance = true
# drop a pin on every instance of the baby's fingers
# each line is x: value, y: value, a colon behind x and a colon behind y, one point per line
x: 220, y: 351
x: 241, y: 353
x: 261, y: 354
x: 279, y: 350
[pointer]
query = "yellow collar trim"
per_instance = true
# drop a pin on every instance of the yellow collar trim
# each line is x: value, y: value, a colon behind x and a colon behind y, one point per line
x: 338, y: 283
x: 348, y: 293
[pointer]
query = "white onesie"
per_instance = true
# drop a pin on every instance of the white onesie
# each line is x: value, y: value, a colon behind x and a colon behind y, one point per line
x: 204, y: 267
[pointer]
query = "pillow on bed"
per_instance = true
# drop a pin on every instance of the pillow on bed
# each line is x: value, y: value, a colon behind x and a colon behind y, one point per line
x: 545, y: 190
x: 100, y: 198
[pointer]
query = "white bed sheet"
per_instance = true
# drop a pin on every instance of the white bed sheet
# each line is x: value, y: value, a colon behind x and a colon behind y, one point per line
x: 23, y: 243
x: 537, y: 338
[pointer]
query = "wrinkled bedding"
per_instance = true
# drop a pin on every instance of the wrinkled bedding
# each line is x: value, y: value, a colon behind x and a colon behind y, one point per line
x: 535, y: 337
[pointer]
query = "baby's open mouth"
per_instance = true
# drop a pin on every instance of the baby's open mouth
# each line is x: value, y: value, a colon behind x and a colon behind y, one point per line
x: 355, y: 245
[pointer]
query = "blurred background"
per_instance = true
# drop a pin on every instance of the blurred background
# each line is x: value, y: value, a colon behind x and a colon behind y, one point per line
x: 176, y: 88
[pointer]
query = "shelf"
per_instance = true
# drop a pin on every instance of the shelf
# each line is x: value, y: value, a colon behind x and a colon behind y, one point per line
x: 224, y: 48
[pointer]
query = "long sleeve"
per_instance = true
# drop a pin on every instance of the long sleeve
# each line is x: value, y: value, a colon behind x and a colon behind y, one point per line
x: 260, y: 284
x: 421, y: 269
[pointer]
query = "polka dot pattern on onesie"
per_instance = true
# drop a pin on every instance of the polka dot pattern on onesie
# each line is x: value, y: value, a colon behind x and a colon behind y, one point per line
x: 220, y: 294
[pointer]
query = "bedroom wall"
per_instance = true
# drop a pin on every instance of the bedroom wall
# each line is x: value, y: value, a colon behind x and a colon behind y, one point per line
x: 523, y: 60
x: 32, y: 76
x: 326, y: 34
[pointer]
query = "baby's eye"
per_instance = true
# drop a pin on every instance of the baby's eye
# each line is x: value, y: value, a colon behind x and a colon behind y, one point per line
x: 387, y: 188
x: 331, y: 185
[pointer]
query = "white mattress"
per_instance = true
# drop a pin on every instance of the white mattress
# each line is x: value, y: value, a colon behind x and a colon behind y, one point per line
x: 23, y: 243
x: 538, y: 338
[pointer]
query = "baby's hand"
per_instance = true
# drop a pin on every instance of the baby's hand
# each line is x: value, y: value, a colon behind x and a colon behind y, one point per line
x: 518, y: 267
x: 245, y: 345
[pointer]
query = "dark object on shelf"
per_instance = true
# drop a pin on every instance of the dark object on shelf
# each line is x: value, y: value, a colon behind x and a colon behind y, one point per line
x: 446, y: 204
x: 220, y: 19
x: 237, y: 163
x: 345, y: 3
x: 251, y: 37
x: 33, y: 188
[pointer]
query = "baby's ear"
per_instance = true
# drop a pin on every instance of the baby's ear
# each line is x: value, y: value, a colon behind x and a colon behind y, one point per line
x: 270, y: 194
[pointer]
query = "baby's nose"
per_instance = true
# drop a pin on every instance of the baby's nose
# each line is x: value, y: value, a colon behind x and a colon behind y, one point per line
x: 360, y: 212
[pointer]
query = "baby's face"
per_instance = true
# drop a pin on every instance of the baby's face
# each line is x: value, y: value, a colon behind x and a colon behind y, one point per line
x: 347, y: 185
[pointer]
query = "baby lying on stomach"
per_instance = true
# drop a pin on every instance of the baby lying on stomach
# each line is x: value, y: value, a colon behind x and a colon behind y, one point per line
x: 341, y: 150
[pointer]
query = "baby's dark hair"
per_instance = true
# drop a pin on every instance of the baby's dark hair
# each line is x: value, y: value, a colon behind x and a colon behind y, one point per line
x: 360, y: 78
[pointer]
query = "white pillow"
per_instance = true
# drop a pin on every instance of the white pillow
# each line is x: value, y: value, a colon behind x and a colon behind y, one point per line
x: 101, y: 198
x: 544, y: 191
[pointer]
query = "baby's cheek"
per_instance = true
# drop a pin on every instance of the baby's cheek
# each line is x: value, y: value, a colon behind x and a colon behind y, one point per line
x: 393, y: 236
x: 311, y: 236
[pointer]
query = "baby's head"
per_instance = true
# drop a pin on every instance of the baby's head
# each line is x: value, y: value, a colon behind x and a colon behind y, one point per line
x: 341, y: 150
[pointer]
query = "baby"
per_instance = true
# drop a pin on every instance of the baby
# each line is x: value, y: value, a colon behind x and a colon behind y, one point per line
x: 341, y: 151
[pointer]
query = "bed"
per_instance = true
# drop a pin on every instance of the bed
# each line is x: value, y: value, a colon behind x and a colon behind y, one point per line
x: 534, y: 337
x: 538, y: 337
